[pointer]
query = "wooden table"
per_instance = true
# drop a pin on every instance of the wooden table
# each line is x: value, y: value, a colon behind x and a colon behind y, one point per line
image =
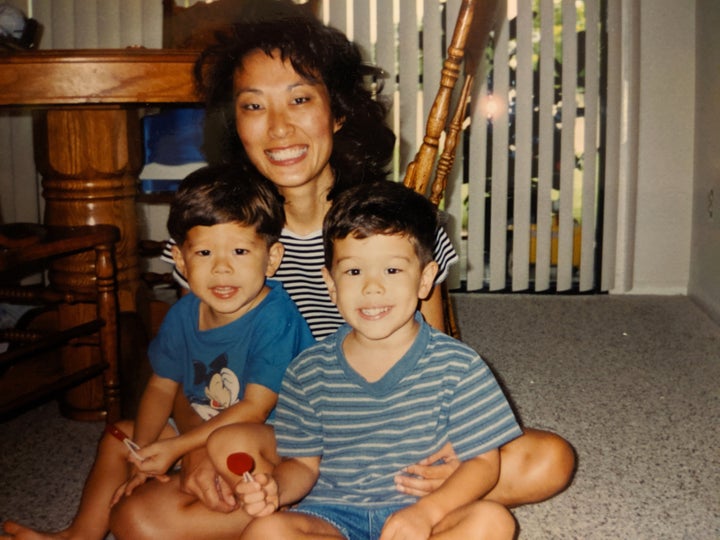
x: 88, y: 142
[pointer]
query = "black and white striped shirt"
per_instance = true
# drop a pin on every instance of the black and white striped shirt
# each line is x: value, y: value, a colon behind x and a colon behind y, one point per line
x: 300, y: 273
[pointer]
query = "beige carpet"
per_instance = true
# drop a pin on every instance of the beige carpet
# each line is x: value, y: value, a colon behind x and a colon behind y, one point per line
x: 633, y: 382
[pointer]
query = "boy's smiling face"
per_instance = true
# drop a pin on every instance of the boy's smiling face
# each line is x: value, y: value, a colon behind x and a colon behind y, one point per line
x: 376, y: 283
x: 226, y: 266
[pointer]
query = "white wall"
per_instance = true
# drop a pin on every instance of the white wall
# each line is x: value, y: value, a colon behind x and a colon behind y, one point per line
x: 663, y: 216
x: 705, y: 252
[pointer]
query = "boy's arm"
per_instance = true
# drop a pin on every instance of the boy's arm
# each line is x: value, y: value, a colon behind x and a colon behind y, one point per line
x: 197, y: 474
x: 295, y: 478
x: 154, y: 409
x: 472, y: 480
x: 290, y: 481
x: 255, y: 406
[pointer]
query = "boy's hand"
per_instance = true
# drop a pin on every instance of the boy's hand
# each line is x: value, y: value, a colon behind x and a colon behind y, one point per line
x: 198, y: 477
x: 259, y: 497
x: 158, y: 457
x: 410, y: 523
x: 424, y: 477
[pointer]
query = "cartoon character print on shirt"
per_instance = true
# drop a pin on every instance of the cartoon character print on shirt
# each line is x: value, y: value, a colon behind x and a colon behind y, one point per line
x: 222, y: 387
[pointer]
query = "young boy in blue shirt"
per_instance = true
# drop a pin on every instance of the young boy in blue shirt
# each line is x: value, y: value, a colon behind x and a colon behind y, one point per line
x: 226, y: 344
x: 380, y: 394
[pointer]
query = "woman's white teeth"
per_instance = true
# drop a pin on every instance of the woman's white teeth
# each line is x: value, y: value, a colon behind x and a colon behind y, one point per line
x: 286, y: 153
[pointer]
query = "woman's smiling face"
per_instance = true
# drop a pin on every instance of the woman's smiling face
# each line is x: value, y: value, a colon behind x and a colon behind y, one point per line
x: 284, y: 122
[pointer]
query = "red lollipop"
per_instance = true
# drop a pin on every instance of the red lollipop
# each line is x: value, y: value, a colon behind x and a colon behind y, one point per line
x: 241, y: 464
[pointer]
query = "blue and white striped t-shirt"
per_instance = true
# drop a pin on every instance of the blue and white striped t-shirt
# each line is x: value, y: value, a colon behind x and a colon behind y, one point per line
x: 439, y: 391
x: 300, y: 274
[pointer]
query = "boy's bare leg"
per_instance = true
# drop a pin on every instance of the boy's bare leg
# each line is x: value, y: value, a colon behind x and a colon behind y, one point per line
x: 533, y: 468
x: 92, y: 518
x: 486, y: 520
x: 290, y: 526
x: 482, y: 520
x: 164, y: 510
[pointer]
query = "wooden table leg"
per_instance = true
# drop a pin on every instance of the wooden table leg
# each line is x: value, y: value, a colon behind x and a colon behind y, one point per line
x: 89, y: 159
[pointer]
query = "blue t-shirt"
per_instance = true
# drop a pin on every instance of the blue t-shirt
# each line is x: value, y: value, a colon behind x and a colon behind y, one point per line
x: 214, y: 366
x: 366, y: 432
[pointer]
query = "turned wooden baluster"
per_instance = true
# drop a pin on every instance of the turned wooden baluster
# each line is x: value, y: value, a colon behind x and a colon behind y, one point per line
x: 472, y: 29
x: 107, y: 310
x: 470, y: 36
x: 447, y: 157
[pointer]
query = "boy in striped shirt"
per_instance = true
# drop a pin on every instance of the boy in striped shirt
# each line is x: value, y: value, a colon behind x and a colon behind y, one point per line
x: 380, y: 394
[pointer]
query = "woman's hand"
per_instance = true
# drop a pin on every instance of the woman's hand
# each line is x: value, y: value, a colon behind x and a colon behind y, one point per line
x: 199, y: 478
x: 135, y: 479
x: 424, y: 477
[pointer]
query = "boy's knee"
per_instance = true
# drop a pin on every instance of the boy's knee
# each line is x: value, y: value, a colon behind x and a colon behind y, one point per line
x: 218, y: 442
x: 497, y: 519
x: 560, y: 458
x: 130, y: 519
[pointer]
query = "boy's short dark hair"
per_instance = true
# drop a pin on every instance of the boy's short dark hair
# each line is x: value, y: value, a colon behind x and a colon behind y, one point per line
x: 219, y: 194
x: 383, y: 207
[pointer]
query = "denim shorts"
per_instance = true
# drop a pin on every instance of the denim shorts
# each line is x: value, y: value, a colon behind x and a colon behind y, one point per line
x: 354, y: 522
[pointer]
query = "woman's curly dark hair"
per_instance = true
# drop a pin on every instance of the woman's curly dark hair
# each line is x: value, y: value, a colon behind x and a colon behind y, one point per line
x: 362, y: 147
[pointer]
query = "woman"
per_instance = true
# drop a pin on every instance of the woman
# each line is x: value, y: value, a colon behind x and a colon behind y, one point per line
x: 305, y: 120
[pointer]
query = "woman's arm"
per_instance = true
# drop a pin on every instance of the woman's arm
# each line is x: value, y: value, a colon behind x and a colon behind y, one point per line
x: 472, y: 480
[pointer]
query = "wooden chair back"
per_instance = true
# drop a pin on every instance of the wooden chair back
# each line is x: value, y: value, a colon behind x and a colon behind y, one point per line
x: 31, y: 369
x: 475, y: 20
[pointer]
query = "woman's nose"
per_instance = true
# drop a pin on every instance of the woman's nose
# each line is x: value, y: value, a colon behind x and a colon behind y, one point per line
x: 280, y: 125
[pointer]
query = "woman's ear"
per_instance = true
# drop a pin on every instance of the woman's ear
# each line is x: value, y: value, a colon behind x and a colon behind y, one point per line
x: 427, y: 279
x: 330, y: 284
x: 275, y: 255
x: 338, y: 124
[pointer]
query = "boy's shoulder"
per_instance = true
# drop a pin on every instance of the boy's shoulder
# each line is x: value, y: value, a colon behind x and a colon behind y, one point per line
x: 323, y: 351
x: 278, y: 301
x: 186, y: 303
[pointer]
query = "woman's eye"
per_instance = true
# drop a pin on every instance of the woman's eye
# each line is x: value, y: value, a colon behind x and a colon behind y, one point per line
x: 249, y: 106
x: 300, y: 100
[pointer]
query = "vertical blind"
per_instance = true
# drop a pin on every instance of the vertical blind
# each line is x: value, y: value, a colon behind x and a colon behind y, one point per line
x: 526, y: 200
x: 524, y: 197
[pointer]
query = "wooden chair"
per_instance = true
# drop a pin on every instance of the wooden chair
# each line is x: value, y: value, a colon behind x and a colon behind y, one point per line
x: 31, y: 369
x: 472, y: 29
